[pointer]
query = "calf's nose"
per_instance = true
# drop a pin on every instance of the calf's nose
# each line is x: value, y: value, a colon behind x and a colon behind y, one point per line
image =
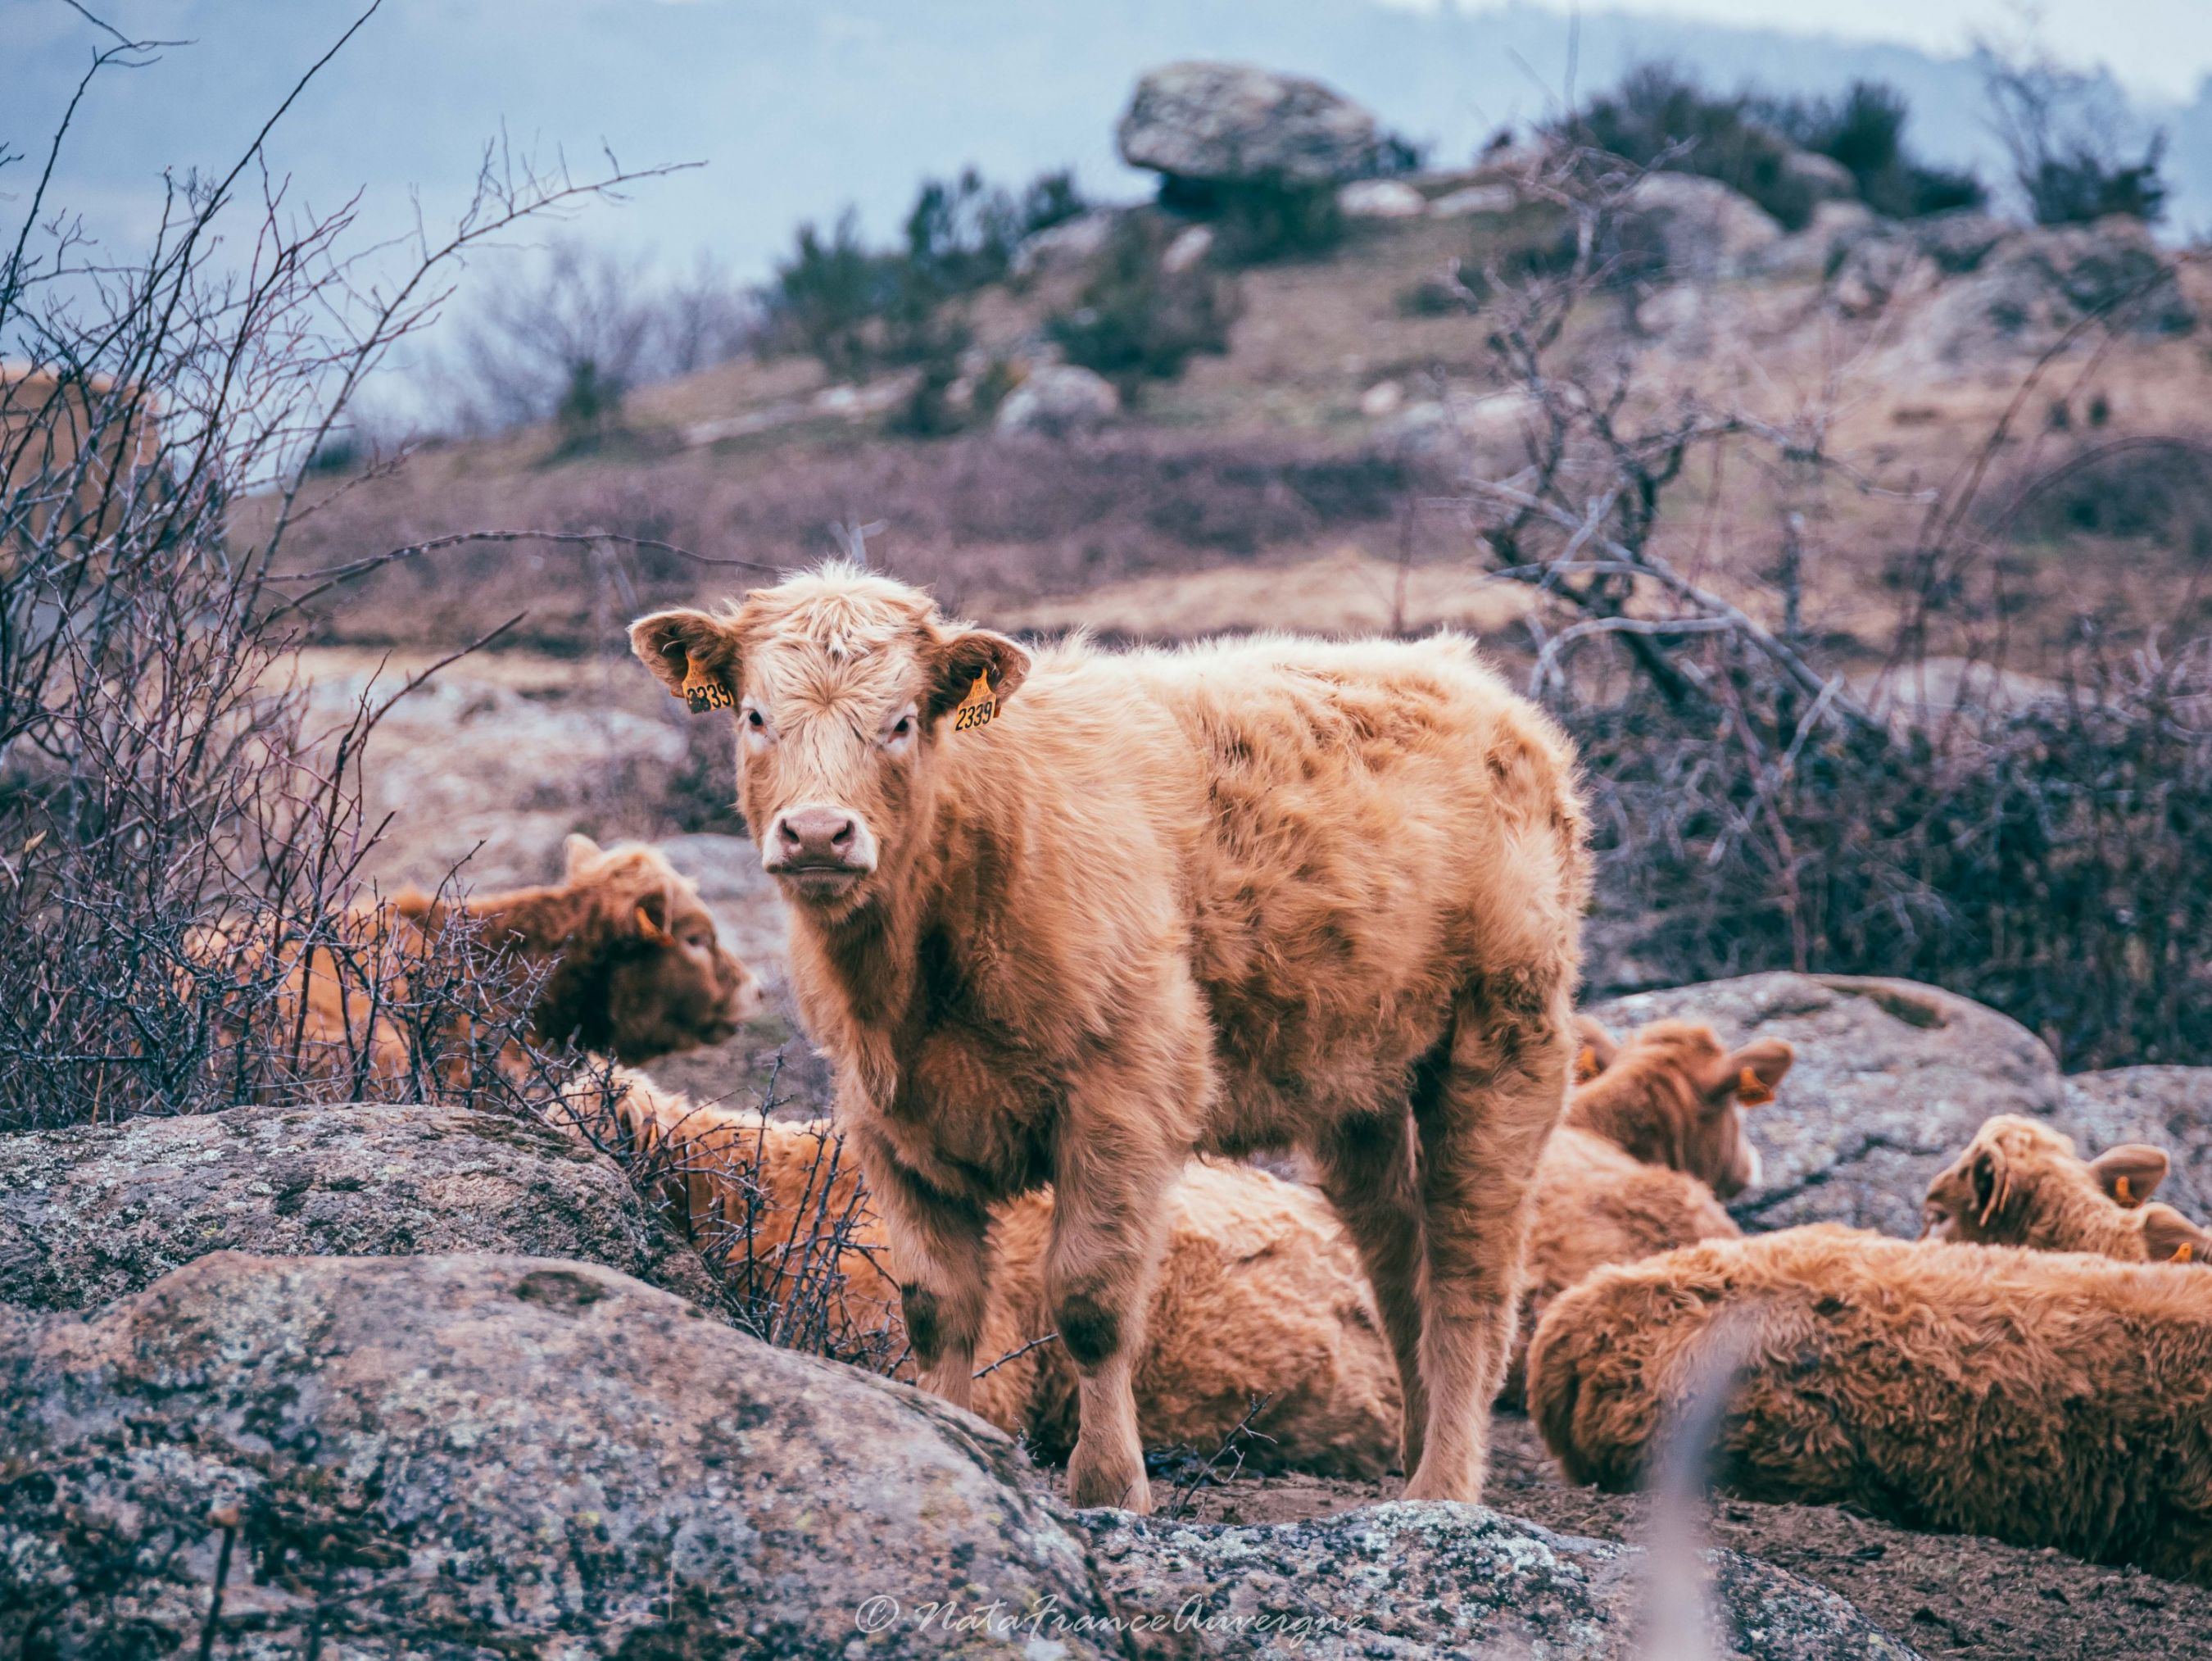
x: 816, y: 835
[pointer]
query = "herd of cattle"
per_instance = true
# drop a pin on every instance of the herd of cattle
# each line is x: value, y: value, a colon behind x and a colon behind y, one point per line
x: 1073, y: 953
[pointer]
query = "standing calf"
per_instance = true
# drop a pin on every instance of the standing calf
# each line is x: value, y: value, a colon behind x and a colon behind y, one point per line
x: 1070, y: 920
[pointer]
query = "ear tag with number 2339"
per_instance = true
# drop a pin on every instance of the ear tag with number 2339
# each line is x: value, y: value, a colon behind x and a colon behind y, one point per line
x: 977, y: 708
x: 701, y: 690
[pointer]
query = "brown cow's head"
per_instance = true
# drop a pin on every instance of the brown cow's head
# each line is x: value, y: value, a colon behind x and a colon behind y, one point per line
x: 632, y: 965
x: 2021, y: 1181
x: 843, y: 687
x: 1674, y: 1095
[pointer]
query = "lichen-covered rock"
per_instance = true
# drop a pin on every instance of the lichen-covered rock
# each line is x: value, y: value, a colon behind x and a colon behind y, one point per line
x: 2031, y: 288
x: 1237, y: 123
x: 1892, y: 1078
x: 484, y: 1456
x: 93, y: 1212
x: 2169, y: 1107
x: 1380, y: 198
x: 1704, y: 230
x: 1058, y: 401
x: 1419, y: 1580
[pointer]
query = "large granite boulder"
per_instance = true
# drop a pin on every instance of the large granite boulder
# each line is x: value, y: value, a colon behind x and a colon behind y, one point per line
x: 480, y: 1456
x: 1058, y: 400
x: 2169, y: 1107
x: 473, y: 1457
x: 1892, y: 1078
x: 1237, y: 124
x: 1703, y: 229
x: 93, y: 1212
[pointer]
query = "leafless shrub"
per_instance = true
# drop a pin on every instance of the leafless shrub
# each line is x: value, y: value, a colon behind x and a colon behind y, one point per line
x: 2039, y: 846
x: 784, y: 1255
x: 175, y: 838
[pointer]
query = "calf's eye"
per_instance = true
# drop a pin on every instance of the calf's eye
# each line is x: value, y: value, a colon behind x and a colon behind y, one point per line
x: 753, y: 719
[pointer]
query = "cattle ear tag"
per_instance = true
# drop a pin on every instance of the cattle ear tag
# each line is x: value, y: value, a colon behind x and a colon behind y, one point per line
x: 701, y: 690
x: 1586, y: 1067
x: 2183, y: 1252
x: 2122, y: 1192
x: 1752, y: 1090
x: 978, y: 707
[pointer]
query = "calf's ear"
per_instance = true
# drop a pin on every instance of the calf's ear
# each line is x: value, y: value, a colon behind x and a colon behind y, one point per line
x: 1991, y: 1181
x: 2171, y: 1238
x: 1751, y: 1074
x: 972, y: 652
x: 577, y: 851
x: 695, y: 654
x: 2131, y: 1172
x: 1595, y: 1047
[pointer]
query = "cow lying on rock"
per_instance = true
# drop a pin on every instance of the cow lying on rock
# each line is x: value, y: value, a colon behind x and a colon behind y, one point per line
x: 1072, y: 919
x: 1259, y: 1296
x: 2019, y: 1182
x: 619, y: 956
x: 1653, y: 1141
x: 2044, y: 1399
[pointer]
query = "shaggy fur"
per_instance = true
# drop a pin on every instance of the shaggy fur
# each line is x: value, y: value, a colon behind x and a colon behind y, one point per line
x: 1262, y: 894
x: 1674, y: 1093
x: 623, y: 957
x: 2044, y: 1399
x: 1259, y: 1296
x: 2019, y: 1182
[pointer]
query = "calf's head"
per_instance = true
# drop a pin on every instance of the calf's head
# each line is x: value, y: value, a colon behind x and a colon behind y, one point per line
x: 632, y: 965
x: 1674, y: 1095
x: 844, y: 688
x: 2020, y: 1183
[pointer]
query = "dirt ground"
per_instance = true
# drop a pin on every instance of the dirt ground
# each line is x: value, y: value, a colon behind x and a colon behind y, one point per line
x: 1948, y: 1595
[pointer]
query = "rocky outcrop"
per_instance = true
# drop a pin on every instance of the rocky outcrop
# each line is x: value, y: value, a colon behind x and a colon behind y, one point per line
x: 1702, y: 229
x: 1238, y: 123
x: 1058, y: 400
x: 2169, y: 1107
x: 454, y: 1456
x: 2028, y: 289
x: 470, y: 1456
x: 95, y: 1212
x: 1892, y: 1078
x: 1419, y: 1580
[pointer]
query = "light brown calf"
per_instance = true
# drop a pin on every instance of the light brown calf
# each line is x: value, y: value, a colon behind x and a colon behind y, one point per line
x: 623, y: 958
x: 1676, y: 1094
x: 2019, y: 1182
x: 2045, y: 1399
x: 1072, y: 919
x: 1260, y: 1294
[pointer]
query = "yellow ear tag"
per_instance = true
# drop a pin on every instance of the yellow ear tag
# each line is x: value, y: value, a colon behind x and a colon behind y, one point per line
x: 1752, y: 1090
x: 1586, y: 1067
x: 978, y: 709
x: 2122, y: 1192
x: 2185, y: 1251
x: 701, y: 690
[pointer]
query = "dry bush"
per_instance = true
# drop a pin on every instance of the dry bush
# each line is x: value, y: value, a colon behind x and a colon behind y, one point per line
x: 177, y: 839
x: 2041, y: 848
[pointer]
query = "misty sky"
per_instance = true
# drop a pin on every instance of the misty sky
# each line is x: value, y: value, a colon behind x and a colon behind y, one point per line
x: 2158, y: 48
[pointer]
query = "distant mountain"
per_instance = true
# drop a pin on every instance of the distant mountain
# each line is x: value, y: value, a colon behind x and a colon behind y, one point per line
x: 800, y: 106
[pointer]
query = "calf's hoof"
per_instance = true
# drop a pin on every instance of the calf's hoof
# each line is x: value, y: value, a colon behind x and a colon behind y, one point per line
x: 1108, y: 1480
x: 1428, y: 1482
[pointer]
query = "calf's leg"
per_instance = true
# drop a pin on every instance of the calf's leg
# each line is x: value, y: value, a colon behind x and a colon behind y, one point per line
x: 1365, y: 1166
x: 938, y: 1250
x: 1482, y: 1131
x: 1109, y: 1226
